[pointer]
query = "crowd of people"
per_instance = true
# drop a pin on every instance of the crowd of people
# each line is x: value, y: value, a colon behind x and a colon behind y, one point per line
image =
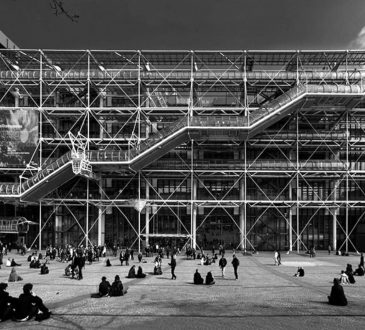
x: 76, y: 258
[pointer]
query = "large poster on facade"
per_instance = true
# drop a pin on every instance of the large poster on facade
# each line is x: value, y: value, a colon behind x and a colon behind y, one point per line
x: 18, y: 137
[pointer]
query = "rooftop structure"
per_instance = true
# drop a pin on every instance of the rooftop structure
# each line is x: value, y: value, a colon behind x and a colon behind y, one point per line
x: 261, y: 150
x: 5, y: 42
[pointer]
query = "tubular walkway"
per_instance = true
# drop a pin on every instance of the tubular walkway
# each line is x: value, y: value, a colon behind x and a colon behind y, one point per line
x: 155, y: 146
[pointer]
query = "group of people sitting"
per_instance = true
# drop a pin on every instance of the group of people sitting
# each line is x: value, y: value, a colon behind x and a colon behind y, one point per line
x: 209, y: 279
x: 347, y: 276
x: 132, y: 272
x: 11, y: 263
x: 24, y: 308
x: 206, y: 260
x: 116, y: 289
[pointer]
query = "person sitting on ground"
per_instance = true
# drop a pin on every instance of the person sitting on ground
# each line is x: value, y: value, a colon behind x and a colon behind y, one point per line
x: 7, y: 303
x: 300, y: 272
x: 158, y: 261
x: 30, y: 305
x: 68, y: 270
x: 14, y: 264
x: 35, y: 263
x: 108, y: 264
x: 198, y: 278
x: 132, y: 272
x: 13, y: 277
x: 359, y: 271
x: 208, y: 260
x: 44, y: 269
x: 117, y: 289
x: 337, y: 296
x: 140, y: 273
x: 104, y: 287
x: 344, y: 279
x: 350, y: 275
x: 349, y: 270
x: 209, y: 279
x: 157, y: 270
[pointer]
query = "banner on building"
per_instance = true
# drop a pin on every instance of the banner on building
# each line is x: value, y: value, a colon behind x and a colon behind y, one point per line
x: 18, y: 137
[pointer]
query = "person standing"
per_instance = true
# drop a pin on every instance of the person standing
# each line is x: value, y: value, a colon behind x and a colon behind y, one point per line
x: 223, y: 264
x: 276, y: 255
x: 329, y: 249
x: 362, y: 259
x: 173, y: 266
x: 235, y: 264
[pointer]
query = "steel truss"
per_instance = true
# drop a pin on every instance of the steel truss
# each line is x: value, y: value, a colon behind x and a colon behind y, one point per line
x: 299, y: 167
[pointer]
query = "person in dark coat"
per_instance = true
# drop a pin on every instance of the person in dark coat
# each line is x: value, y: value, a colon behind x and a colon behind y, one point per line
x: 104, y: 287
x: 359, y: 271
x: 79, y: 262
x: 14, y: 264
x: 173, y: 266
x: 132, y: 272
x: 300, y: 272
x: 108, y: 264
x: 117, y: 288
x: 209, y: 279
x: 337, y: 296
x: 235, y: 264
x: 362, y: 259
x: 198, y: 278
x: 140, y: 273
x: 30, y: 305
x: 7, y: 303
x: 44, y: 269
x: 223, y: 264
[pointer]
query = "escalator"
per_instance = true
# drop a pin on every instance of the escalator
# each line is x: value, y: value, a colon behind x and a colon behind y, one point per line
x: 158, y: 144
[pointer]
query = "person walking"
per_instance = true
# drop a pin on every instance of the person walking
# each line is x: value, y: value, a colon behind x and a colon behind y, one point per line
x: 223, y: 264
x: 173, y: 266
x: 235, y: 264
x: 362, y: 259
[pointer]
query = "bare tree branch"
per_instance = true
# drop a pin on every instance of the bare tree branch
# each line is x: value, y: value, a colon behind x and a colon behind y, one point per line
x: 59, y: 9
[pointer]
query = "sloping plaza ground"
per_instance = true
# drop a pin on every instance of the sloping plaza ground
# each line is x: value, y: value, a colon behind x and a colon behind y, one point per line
x: 264, y: 297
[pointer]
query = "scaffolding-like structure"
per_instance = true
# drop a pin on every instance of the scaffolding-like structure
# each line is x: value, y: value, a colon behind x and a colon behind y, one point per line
x: 259, y: 150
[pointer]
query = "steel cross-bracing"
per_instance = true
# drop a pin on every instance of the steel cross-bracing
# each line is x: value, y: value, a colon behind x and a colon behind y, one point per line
x: 257, y: 150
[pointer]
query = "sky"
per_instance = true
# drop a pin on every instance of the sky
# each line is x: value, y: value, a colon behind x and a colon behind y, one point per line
x: 186, y: 24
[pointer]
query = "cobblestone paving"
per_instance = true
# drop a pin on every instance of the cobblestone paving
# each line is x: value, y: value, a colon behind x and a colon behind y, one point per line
x: 264, y: 297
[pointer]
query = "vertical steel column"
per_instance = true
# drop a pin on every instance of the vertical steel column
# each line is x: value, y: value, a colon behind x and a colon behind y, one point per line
x: 40, y: 226
x: 347, y: 181
x: 87, y: 150
x: 147, y: 215
x: 192, y: 199
x: 139, y: 211
x: 40, y: 107
x: 247, y: 113
x: 290, y: 211
x: 191, y: 96
x: 139, y: 142
x: 87, y: 213
x: 297, y: 183
x: 243, y: 199
x: 101, y: 217
x: 40, y: 140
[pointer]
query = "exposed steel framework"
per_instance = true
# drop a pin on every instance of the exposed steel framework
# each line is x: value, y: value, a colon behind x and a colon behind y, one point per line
x: 259, y: 149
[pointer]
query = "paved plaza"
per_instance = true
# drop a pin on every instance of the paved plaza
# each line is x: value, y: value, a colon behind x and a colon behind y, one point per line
x: 264, y: 297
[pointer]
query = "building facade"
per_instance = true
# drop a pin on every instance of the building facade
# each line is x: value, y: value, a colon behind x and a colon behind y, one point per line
x: 258, y: 150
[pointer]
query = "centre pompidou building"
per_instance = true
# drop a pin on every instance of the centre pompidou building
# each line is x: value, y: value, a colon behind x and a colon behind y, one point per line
x: 258, y: 150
